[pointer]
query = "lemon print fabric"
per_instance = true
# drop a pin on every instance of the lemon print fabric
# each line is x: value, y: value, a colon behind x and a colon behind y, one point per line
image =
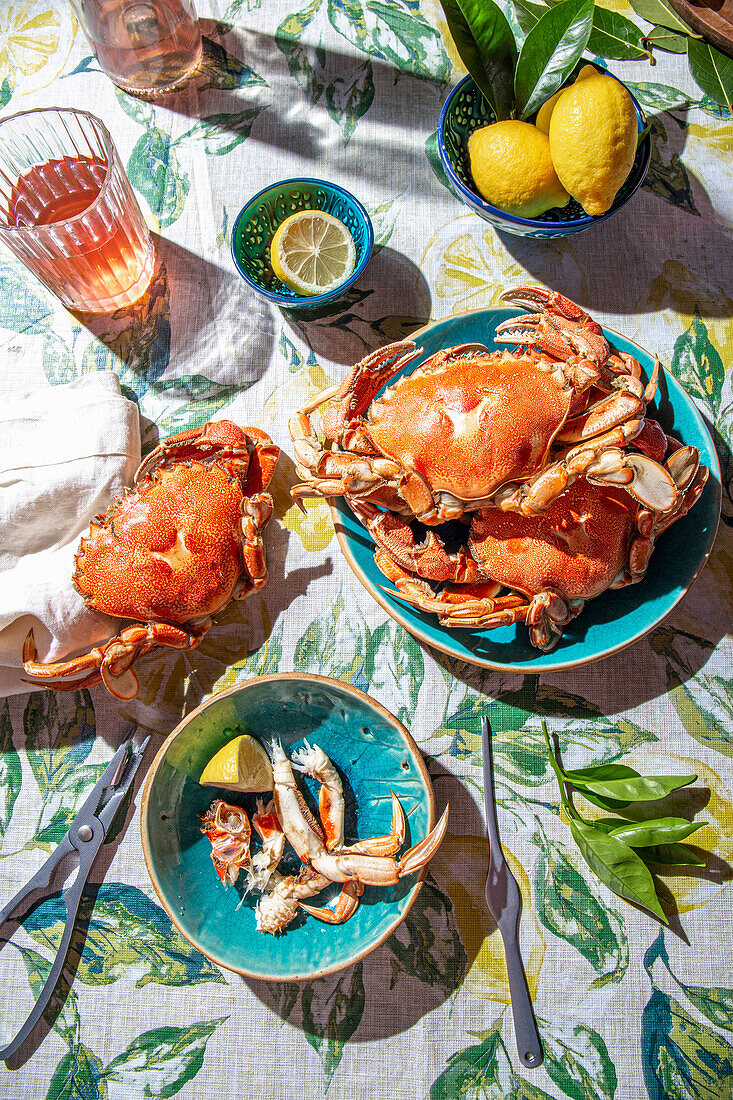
x: 312, y: 252
x: 593, y: 136
x: 241, y: 765
x: 512, y: 168
x: 35, y: 42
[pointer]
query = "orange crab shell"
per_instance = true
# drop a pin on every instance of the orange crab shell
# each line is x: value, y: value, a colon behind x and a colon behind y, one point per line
x: 577, y: 547
x: 469, y: 423
x: 168, y: 550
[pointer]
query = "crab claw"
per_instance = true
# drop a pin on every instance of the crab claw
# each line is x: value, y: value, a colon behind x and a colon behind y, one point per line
x: 562, y: 328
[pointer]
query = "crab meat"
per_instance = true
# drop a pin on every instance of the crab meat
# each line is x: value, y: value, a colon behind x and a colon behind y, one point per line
x: 470, y: 428
x: 171, y: 553
x: 228, y: 829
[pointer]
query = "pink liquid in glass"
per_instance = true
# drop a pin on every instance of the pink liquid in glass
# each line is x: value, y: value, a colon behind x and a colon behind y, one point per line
x: 100, y: 256
x: 146, y: 46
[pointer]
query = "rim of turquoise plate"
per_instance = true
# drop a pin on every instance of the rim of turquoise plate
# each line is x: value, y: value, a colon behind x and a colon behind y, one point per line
x: 161, y: 754
x: 538, y: 223
x: 524, y: 667
x: 288, y: 300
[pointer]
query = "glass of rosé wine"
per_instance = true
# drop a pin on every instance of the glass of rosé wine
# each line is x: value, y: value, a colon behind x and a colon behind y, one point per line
x: 147, y: 47
x: 67, y: 209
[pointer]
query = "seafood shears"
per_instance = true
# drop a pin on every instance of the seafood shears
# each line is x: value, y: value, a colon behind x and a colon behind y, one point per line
x: 504, y: 902
x: 85, y: 837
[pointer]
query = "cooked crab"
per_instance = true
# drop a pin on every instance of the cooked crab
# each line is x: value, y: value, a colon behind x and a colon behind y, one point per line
x: 171, y: 553
x: 472, y: 428
x: 588, y: 540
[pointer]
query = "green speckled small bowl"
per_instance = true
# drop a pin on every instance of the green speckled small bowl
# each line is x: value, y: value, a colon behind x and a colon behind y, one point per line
x: 374, y: 754
x: 255, y: 227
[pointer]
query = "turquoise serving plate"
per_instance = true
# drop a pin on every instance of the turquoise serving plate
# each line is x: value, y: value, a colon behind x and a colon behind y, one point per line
x: 608, y: 623
x: 255, y: 225
x: 464, y: 111
x: 374, y: 754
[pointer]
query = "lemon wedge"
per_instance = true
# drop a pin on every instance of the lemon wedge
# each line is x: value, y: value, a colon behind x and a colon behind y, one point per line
x: 240, y: 765
x: 312, y: 252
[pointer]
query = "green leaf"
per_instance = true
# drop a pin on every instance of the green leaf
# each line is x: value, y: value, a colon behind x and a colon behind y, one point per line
x: 160, y: 1062
x: 671, y: 855
x: 128, y: 936
x: 59, y: 366
x: 220, y: 133
x: 615, y: 36
x: 59, y: 735
x: 697, y: 364
x: 649, y: 833
x: 716, y: 1004
x: 348, y: 100
x: 577, y: 1060
x: 710, y: 107
x: 11, y: 776
x: 154, y: 171
x: 333, y: 641
x: 550, y: 51
x: 22, y: 305
x: 642, y: 788
x: 328, y: 1010
x: 225, y: 71
x: 659, y: 11
x: 713, y: 71
x: 617, y: 866
x: 67, y: 1023
x: 78, y: 1076
x: 394, y: 667
x: 6, y: 92
x: 568, y: 908
x: 682, y: 1058
x: 139, y: 110
x: 395, y: 32
x: 300, y: 66
x: 427, y: 945
x: 528, y: 13
x: 662, y: 38
x: 667, y: 176
x: 659, y: 97
x: 484, y: 1072
x: 61, y: 803
x: 485, y: 43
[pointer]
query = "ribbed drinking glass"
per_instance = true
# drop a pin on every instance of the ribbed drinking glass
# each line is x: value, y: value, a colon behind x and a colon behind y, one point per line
x: 67, y: 209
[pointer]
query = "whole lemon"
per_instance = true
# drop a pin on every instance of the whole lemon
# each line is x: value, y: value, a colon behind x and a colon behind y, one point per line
x: 542, y: 122
x: 512, y: 168
x: 593, y: 137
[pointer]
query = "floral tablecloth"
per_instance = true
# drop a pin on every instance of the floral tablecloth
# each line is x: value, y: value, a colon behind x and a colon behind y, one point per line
x: 350, y: 90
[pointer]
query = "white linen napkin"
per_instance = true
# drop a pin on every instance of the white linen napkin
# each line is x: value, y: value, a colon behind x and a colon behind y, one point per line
x: 64, y: 451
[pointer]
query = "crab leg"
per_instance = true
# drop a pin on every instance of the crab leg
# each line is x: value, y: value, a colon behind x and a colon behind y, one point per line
x: 429, y: 559
x: 264, y: 862
x: 562, y: 328
x: 228, y: 829
x: 114, y: 659
x: 313, y: 761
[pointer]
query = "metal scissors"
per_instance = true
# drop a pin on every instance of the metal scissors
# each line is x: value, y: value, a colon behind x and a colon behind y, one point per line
x: 85, y: 837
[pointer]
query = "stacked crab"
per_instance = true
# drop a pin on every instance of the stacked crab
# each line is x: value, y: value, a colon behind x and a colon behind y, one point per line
x: 545, y: 452
x: 320, y: 846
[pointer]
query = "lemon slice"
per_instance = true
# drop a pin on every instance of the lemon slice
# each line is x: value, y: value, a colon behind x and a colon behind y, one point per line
x: 241, y: 765
x: 312, y: 252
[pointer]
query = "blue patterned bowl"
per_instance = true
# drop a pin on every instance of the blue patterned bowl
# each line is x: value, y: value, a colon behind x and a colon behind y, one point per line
x: 255, y: 227
x: 374, y: 754
x: 466, y: 110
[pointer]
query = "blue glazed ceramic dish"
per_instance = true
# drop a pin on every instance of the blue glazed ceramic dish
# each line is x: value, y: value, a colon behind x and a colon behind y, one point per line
x: 466, y: 110
x: 608, y: 623
x: 374, y: 754
x: 255, y: 227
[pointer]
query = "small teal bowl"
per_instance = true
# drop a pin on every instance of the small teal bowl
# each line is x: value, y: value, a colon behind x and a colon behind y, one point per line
x: 255, y: 227
x: 374, y: 754
x: 466, y: 110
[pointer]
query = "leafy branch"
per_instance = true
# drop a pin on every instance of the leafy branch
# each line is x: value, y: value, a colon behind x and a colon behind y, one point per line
x: 618, y: 848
